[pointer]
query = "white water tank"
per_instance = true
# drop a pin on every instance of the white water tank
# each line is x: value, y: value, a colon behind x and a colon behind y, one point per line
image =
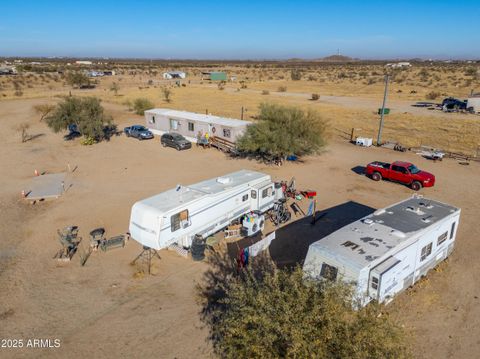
x: 363, y: 141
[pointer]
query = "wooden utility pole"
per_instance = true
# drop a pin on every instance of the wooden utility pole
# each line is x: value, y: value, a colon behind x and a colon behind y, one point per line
x: 379, y: 137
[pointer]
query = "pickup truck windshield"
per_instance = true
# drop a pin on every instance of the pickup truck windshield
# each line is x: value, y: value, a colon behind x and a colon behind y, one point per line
x: 413, y: 169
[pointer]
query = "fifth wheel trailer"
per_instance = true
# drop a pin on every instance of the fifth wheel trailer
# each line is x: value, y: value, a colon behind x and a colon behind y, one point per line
x: 386, y: 252
x: 179, y: 214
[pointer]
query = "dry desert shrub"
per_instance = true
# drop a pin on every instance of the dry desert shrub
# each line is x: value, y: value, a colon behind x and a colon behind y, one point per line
x: 432, y: 95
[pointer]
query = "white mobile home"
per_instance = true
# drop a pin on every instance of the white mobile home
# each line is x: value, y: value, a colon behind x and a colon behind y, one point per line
x: 387, y: 251
x: 189, y: 124
x: 174, y: 75
x: 204, y: 208
x: 473, y: 102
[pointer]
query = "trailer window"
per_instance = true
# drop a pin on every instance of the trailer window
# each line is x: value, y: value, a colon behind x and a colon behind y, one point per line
x: 254, y: 194
x: 267, y: 192
x: 191, y: 126
x: 152, y: 120
x: 226, y: 133
x: 426, y: 251
x: 452, y: 230
x: 442, y: 238
x: 329, y: 272
x: 245, y: 197
x: 179, y: 220
x: 374, y: 282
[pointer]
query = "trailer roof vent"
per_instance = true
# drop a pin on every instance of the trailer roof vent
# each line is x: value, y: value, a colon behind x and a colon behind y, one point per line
x: 426, y: 205
x: 379, y: 212
x: 224, y: 180
x: 427, y: 219
x: 368, y: 221
x: 417, y: 210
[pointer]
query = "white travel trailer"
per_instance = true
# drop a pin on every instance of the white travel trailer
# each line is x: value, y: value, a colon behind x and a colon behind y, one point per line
x: 387, y: 251
x: 204, y: 208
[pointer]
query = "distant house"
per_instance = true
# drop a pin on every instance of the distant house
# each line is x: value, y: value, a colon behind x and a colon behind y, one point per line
x: 214, y: 76
x: 8, y: 70
x: 174, y: 75
x: 473, y: 102
x: 82, y: 62
x: 109, y: 73
x: 190, y: 124
x: 95, y: 73
x: 399, y: 65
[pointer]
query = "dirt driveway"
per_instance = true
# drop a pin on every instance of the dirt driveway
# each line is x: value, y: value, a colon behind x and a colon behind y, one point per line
x: 104, y: 310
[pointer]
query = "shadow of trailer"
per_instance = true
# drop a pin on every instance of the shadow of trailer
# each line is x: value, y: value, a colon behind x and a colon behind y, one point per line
x: 292, y: 241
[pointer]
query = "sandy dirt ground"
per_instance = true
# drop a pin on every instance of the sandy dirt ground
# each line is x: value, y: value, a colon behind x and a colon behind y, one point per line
x: 104, y: 310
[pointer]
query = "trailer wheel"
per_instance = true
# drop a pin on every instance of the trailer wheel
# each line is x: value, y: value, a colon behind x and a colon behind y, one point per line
x: 376, y: 176
x: 416, y: 186
x: 177, y: 147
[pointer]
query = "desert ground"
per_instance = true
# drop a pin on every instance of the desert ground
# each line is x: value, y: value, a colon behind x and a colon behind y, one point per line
x: 107, y: 309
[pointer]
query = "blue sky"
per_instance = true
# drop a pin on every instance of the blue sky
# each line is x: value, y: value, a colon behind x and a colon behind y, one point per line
x: 240, y: 29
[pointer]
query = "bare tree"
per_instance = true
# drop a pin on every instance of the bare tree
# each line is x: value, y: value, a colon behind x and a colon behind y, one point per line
x: 167, y: 93
x: 44, y: 110
x: 115, y: 88
x: 23, y: 129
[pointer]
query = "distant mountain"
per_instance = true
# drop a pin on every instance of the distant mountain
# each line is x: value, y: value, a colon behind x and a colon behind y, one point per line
x: 337, y: 58
x: 331, y: 58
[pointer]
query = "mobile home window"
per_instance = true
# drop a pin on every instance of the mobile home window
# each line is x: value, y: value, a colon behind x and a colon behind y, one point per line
x: 191, y: 126
x: 152, y: 120
x: 245, y: 197
x: 426, y: 251
x: 254, y: 194
x: 329, y: 272
x: 442, y: 238
x: 173, y: 124
x: 452, y: 230
x: 226, y: 133
x: 179, y: 220
x: 374, y: 282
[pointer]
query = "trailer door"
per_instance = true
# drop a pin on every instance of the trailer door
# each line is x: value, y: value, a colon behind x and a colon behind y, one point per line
x: 383, y: 279
x: 266, y: 196
x: 257, y: 200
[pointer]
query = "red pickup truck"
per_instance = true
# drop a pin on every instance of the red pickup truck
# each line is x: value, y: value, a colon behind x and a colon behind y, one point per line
x: 403, y: 172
